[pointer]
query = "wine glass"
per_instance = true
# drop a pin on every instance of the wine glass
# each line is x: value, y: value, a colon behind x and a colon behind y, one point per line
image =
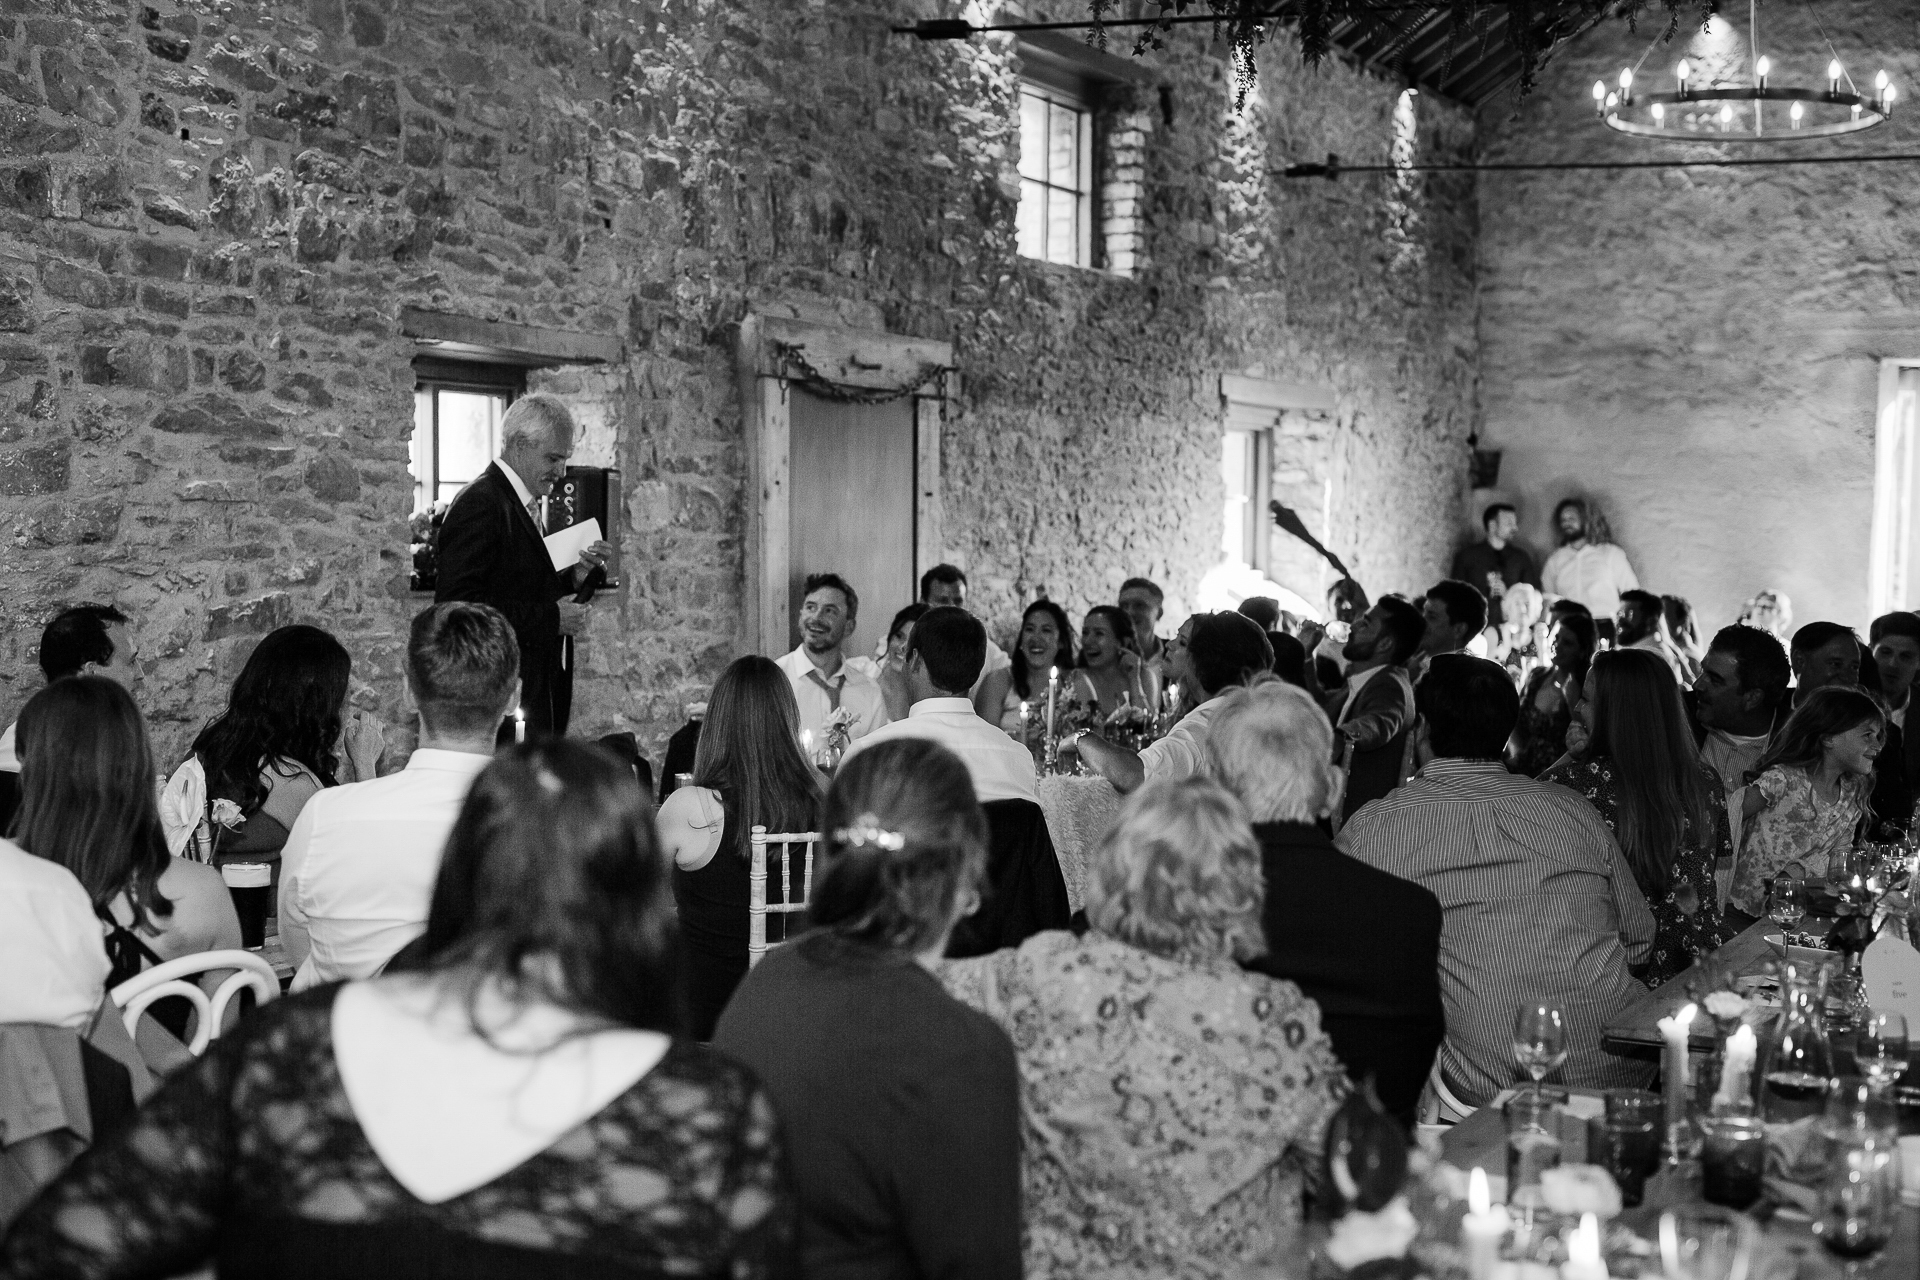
x: 1881, y: 1048
x: 1539, y: 1039
x: 1859, y: 1201
x: 1783, y: 901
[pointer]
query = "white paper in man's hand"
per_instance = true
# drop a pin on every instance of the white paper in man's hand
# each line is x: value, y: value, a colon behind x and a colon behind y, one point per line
x: 565, y: 546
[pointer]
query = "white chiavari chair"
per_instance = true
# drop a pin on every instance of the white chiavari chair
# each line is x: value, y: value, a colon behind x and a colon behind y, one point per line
x: 758, y: 908
x: 172, y: 979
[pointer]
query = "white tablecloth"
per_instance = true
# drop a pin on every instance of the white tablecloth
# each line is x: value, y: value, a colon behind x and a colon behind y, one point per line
x: 1079, y: 812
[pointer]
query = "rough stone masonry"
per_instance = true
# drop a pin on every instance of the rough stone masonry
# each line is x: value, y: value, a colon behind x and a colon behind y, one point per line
x: 211, y: 214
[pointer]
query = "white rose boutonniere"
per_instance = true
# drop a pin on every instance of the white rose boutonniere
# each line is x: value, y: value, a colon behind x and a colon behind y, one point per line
x: 226, y: 813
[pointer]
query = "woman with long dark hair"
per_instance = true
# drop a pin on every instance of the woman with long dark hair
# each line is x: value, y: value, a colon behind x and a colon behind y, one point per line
x: 900, y: 1104
x: 277, y: 743
x: 517, y: 1105
x: 1547, y: 701
x: 87, y: 803
x: 1110, y: 673
x: 1046, y: 642
x: 1663, y: 803
x: 748, y: 771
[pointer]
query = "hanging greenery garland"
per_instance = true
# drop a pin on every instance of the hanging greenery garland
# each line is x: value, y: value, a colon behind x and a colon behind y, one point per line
x: 1533, y: 27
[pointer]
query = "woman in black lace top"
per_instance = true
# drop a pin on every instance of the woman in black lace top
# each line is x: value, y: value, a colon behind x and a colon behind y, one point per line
x: 517, y: 1108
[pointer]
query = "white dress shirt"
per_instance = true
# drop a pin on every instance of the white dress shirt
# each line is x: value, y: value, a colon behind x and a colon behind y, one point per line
x: 1183, y: 752
x: 53, y: 961
x: 858, y: 693
x: 1595, y: 575
x: 520, y: 489
x: 1002, y: 769
x: 9, y: 750
x: 358, y: 868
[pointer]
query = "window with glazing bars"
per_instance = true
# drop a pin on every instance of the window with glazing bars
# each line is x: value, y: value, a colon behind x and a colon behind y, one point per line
x: 1056, y: 177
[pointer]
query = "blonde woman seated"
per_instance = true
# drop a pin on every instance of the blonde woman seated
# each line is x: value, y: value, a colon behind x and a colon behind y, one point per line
x: 1171, y: 1102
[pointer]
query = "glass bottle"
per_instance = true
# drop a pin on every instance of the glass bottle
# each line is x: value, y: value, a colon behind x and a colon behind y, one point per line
x: 1796, y: 1063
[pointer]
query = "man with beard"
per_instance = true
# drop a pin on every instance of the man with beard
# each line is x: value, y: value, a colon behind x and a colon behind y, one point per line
x: 1373, y: 710
x: 1587, y: 567
x: 823, y: 682
x: 1738, y: 700
x: 1637, y: 625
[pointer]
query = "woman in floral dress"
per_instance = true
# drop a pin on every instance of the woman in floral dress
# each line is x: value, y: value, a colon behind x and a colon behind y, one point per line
x: 1644, y: 774
x: 1172, y: 1103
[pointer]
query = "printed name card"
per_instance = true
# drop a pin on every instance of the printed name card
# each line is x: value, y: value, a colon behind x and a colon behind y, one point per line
x: 1891, y: 970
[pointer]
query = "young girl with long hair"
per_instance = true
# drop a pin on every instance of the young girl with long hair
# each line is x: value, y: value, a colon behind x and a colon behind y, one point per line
x: 1811, y: 793
x: 87, y: 803
x: 1644, y: 775
x: 748, y: 771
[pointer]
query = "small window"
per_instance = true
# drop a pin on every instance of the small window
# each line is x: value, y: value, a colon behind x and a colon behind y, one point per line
x: 1056, y: 177
x: 456, y: 426
x: 1245, y: 459
x: 457, y: 408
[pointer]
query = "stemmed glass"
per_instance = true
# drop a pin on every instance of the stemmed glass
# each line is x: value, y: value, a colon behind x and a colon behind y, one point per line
x: 1881, y: 1048
x: 1859, y: 1201
x: 1539, y: 1039
x: 1783, y: 901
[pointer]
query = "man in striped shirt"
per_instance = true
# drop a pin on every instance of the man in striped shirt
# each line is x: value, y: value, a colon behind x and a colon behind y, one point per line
x: 1538, y: 902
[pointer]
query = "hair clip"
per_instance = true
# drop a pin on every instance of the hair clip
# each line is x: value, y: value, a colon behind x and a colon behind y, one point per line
x: 867, y: 830
x: 548, y: 781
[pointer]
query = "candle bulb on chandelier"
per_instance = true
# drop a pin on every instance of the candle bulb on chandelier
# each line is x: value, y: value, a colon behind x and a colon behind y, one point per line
x: 1796, y: 113
x: 1683, y: 72
x: 1761, y: 68
x: 1833, y: 76
x: 1726, y: 117
x: 1886, y: 100
x: 1626, y: 84
x: 1600, y: 95
x: 1659, y: 116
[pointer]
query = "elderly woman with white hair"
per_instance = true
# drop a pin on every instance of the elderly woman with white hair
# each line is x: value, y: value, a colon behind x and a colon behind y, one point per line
x: 1171, y: 1102
x: 1363, y: 944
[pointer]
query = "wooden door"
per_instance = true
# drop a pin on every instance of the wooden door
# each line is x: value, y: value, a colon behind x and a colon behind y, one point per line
x: 850, y: 502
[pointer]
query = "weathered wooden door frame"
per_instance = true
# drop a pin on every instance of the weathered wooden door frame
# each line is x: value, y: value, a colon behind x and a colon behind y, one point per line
x: 775, y: 356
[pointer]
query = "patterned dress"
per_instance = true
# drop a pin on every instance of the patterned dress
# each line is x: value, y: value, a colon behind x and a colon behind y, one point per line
x: 1796, y: 826
x: 1169, y: 1110
x: 253, y: 1158
x: 1686, y: 919
x: 1541, y: 736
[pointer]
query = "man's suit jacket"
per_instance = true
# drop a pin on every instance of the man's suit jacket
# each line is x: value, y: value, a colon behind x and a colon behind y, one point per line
x: 1379, y: 722
x: 1362, y: 944
x: 491, y: 552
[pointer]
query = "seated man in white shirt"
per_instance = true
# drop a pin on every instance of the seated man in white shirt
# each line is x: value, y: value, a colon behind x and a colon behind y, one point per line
x: 945, y: 653
x: 1222, y: 651
x: 824, y: 681
x: 358, y: 869
x: 51, y: 948
x: 945, y: 586
x: 83, y: 640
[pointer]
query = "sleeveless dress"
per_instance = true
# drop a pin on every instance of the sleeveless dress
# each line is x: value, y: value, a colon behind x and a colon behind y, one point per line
x: 713, y: 924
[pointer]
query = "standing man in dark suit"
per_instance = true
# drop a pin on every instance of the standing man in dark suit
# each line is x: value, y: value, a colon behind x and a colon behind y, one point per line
x: 1362, y: 943
x: 1372, y: 712
x: 491, y: 552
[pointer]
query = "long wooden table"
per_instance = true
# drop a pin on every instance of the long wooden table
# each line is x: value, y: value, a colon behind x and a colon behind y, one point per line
x: 1636, y: 1026
x: 1480, y: 1141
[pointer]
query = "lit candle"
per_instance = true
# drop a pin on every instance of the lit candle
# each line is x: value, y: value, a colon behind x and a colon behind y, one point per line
x: 806, y: 744
x: 1053, y: 697
x: 1659, y: 115
x: 1583, y: 1252
x: 1737, y: 1068
x: 519, y: 725
x: 1797, y: 112
x: 1626, y: 84
x: 1683, y: 72
x: 1483, y: 1229
x: 1761, y: 68
x: 1833, y: 76
x: 1674, y: 1032
x: 1023, y: 722
x: 1599, y: 95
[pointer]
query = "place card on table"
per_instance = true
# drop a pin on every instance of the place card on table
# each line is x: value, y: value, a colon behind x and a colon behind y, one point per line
x: 1890, y: 969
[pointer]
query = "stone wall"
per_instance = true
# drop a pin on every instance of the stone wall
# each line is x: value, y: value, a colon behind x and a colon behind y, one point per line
x: 211, y: 215
x: 1699, y: 349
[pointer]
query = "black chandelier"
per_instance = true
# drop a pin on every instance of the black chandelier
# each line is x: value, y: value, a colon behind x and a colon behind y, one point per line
x: 1729, y: 112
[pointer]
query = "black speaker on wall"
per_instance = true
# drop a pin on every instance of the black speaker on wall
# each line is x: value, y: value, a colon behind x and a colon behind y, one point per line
x: 589, y: 493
